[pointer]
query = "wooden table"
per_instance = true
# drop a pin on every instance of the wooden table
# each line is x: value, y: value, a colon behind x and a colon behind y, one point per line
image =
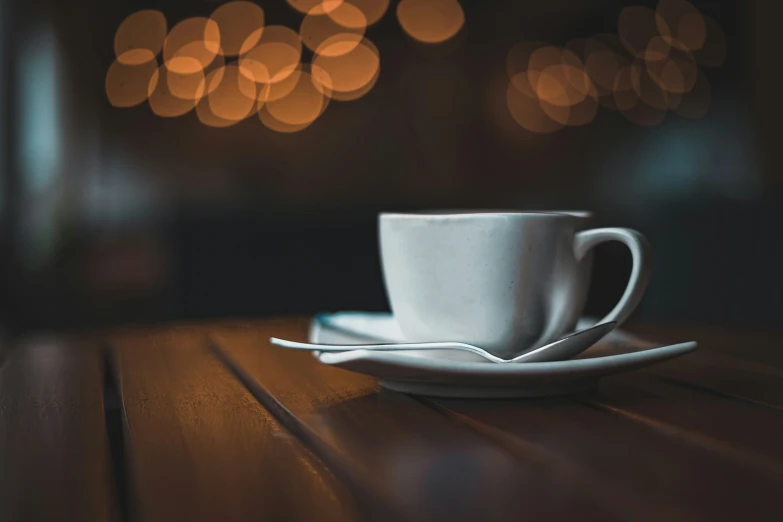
x: 211, y: 423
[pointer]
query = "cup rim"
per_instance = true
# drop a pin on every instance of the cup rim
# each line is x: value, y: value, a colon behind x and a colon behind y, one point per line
x: 452, y: 214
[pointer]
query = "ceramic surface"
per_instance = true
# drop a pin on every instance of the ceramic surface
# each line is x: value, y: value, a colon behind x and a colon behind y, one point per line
x: 565, y: 348
x: 508, y: 282
x: 463, y: 374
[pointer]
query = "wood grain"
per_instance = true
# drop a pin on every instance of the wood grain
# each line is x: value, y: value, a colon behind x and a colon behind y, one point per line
x: 419, y: 462
x: 201, y: 448
x: 53, y: 451
x: 746, y: 432
x: 719, y: 366
x: 658, y: 474
x: 761, y: 347
x: 726, y: 375
x: 695, y: 438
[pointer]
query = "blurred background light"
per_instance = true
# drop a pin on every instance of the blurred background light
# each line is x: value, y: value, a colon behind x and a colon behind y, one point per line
x: 644, y: 71
x: 240, y: 24
x: 275, y: 56
x: 163, y: 101
x: 140, y: 37
x: 348, y: 74
x: 131, y: 85
x: 318, y: 28
x: 191, y: 45
x: 430, y: 21
x: 234, y: 98
x: 240, y: 206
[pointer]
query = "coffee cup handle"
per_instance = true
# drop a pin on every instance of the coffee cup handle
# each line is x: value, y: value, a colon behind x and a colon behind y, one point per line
x: 640, y: 273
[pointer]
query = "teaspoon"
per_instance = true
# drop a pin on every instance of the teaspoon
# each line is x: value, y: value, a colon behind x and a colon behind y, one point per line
x: 565, y: 348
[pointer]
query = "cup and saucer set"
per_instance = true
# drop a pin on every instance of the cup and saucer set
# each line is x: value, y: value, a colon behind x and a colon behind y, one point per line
x: 489, y: 305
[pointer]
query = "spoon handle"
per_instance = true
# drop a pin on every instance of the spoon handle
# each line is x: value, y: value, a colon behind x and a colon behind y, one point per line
x: 378, y: 347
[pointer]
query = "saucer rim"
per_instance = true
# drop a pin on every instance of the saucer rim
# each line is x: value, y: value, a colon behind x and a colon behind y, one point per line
x: 585, y: 321
x: 603, y: 365
x: 456, y: 215
x: 645, y: 355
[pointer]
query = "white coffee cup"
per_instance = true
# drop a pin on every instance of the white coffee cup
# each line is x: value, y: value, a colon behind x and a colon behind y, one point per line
x: 505, y: 281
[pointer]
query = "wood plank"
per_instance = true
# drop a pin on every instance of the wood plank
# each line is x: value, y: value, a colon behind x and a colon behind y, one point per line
x: 667, y: 478
x: 709, y: 419
x: 201, y: 448
x: 420, y: 462
x: 749, y: 344
x: 726, y: 375
x: 53, y: 448
x: 747, y: 432
x: 712, y: 371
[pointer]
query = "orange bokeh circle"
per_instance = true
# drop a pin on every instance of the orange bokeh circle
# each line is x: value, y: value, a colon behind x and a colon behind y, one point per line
x: 347, y: 74
x: 191, y: 45
x: 240, y: 24
x: 430, y: 21
x: 128, y: 85
x: 139, y: 38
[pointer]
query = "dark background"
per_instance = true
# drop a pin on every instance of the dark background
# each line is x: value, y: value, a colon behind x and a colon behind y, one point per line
x: 114, y: 216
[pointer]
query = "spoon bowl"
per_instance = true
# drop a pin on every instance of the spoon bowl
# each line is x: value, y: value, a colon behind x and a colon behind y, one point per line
x: 560, y: 350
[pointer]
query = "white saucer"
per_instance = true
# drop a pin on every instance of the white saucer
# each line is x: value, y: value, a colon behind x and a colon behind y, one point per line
x: 462, y: 374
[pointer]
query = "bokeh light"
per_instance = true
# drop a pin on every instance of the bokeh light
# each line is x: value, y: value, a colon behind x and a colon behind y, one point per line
x: 565, y: 67
x: 373, y: 10
x: 556, y: 81
x: 349, y: 16
x: 186, y: 86
x: 302, y: 105
x: 518, y: 57
x: 270, y: 122
x: 204, y: 111
x: 658, y: 49
x: 524, y: 107
x: 324, y: 82
x: 344, y: 96
x: 646, y: 88
x: 346, y: 23
x: 681, y: 24
x: 677, y: 73
x: 339, y: 44
x: 649, y: 68
x: 240, y: 24
x: 163, y: 102
x: 274, y: 57
x: 128, y: 85
x: 234, y: 97
x: 139, y: 38
x: 625, y: 97
x: 217, y: 65
x: 267, y: 76
x: 583, y: 112
x: 430, y: 21
x: 550, y: 85
x: 349, y: 74
x: 630, y: 103
x: 542, y: 58
x: 277, y: 90
x: 317, y: 6
x: 636, y: 26
x: 603, y: 61
x: 191, y: 45
x: 602, y: 66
